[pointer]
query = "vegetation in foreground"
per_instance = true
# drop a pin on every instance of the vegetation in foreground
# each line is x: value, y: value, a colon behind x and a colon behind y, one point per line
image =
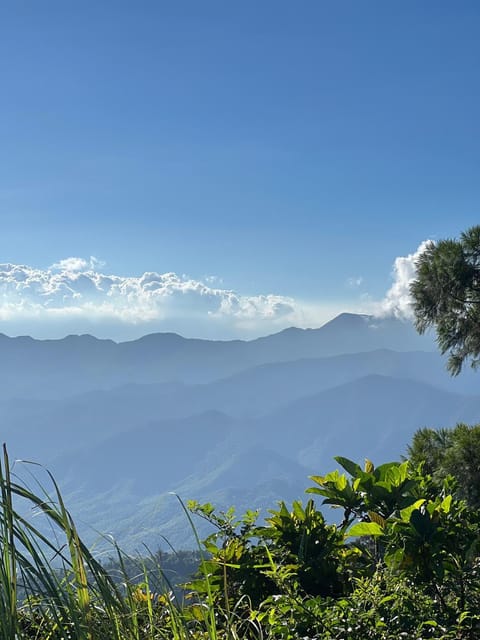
x: 402, y: 562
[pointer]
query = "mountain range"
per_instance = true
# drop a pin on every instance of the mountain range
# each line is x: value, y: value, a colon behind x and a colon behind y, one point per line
x: 123, y: 426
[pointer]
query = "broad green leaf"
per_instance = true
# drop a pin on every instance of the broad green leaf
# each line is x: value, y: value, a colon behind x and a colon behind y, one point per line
x: 210, y: 547
x: 406, y: 513
x: 321, y: 492
x: 464, y: 616
x: 334, y: 478
x: 298, y: 510
x: 429, y: 623
x: 352, y: 467
x: 382, y: 471
x: 365, y: 529
x: 403, y: 469
x: 446, y: 504
x: 392, y: 477
x: 341, y: 482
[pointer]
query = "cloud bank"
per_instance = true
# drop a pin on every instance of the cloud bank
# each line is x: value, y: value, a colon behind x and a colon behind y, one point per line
x: 75, y: 295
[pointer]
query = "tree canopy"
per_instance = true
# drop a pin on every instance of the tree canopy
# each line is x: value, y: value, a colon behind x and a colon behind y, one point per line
x: 446, y: 296
x: 450, y: 452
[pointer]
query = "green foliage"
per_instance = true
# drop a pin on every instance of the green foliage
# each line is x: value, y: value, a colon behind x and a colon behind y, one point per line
x: 450, y: 452
x: 446, y: 295
x: 403, y: 560
x: 403, y: 563
x: 428, y: 449
x: 373, y: 494
x: 301, y: 538
x: 421, y: 530
x: 295, y: 549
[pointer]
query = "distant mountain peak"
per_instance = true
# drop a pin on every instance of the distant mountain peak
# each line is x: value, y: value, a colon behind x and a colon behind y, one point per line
x: 84, y: 337
x: 349, y: 320
x: 168, y: 336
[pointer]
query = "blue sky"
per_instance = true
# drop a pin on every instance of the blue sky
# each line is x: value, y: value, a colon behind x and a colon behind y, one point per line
x: 289, y: 149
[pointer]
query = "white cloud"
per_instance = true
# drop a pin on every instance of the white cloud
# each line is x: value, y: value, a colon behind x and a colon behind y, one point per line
x: 74, y: 295
x: 77, y: 264
x: 397, y: 301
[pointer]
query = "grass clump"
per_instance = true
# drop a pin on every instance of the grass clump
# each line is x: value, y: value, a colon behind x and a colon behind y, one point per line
x: 52, y: 587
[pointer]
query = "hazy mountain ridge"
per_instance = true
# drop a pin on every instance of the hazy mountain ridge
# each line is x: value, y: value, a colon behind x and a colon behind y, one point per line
x: 128, y: 423
x: 52, y: 368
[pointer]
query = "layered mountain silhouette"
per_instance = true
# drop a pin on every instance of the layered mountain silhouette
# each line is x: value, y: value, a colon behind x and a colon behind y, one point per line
x: 124, y: 425
x: 53, y: 368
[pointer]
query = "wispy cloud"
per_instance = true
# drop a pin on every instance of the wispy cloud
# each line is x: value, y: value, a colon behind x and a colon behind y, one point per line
x: 354, y: 282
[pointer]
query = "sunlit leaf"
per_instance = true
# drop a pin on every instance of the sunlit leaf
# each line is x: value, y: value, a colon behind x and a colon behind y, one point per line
x: 365, y: 529
x: 369, y: 466
x: 406, y: 513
